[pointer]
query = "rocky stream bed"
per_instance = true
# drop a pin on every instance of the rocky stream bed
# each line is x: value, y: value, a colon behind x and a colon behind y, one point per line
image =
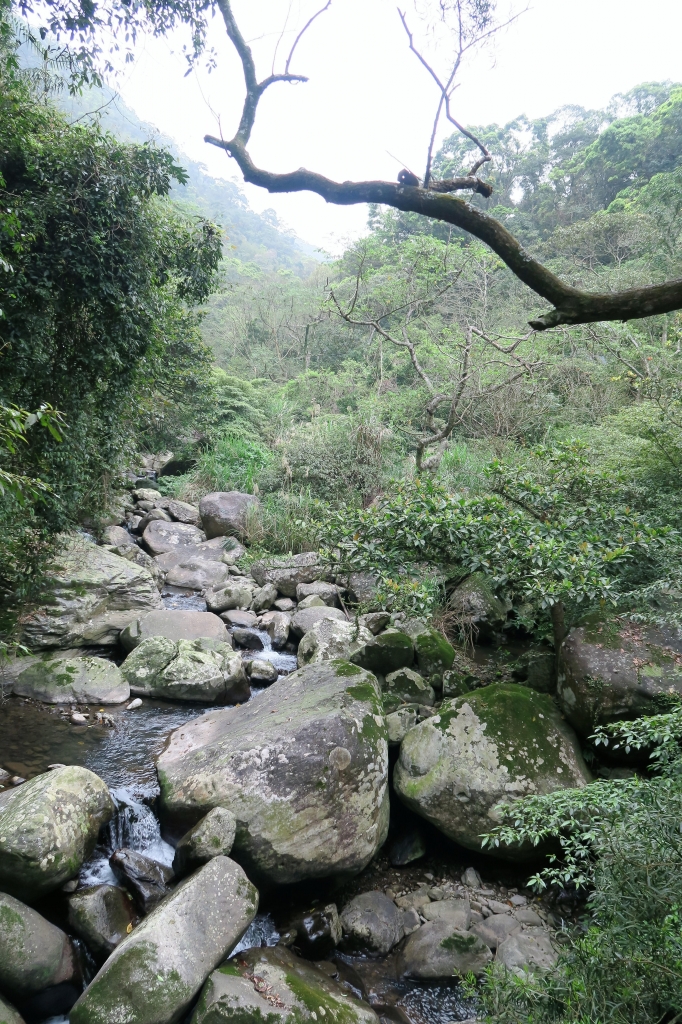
x: 225, y: 795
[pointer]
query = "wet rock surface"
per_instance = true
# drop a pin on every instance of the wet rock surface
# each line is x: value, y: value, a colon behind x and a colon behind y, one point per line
x: 204, y: 670
x: 145, y: 879
x: 212, y: 837
x: 102, y: 915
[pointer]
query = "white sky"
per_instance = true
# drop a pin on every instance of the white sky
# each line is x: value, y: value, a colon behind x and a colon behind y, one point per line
x: 368, y: 95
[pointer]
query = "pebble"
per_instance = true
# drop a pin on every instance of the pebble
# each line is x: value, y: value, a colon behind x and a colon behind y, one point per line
x: 16, y: 780
x: 472, y: 879
x: 137, y: 703
x: 78, y: 719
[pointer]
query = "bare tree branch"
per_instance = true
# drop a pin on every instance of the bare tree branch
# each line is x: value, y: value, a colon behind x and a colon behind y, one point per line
x: 302, y: 33
x: 570, y: 305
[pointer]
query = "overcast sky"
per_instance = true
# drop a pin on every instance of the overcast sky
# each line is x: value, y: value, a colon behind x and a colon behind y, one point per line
x: 368, y: 96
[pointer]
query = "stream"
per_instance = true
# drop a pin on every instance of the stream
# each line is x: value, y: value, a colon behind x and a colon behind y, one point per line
x: 34, y: 736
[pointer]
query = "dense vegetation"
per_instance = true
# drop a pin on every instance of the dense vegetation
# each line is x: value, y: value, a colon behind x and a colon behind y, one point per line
x: 392, y: 408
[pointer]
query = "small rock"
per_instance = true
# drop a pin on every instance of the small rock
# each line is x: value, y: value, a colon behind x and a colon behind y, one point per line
x: 398, y: 723
x: 147, y: 494
x: 50, y: 768
x: 261, y: 672
x: 417, y: 899
x: 236, y: 595
x: 457, y: 913
x: 137, y: 703
x: 518, y: 900
x: 312, y: 601
x: 78, y: 719
x: 247, y: 638
x: 284, y: 604
x: 528, y: 917
x: 527, y: 951
x: 212, y: 837
x: 303, y: 621
x: 411, y: 920
x: 102, y: 915
x: 406, y: 686
x: 499, y: 908
x: 264, y: 598
x: 327, y: 592
x: 244, y: 619
x: 437, y: 950
x: 144, y: 878
x: 70, y: 886
x: 183, y: 512
x: 495, y: 929
x: 115, y: 536
x: 375, y: 621
x: 472, y: 879
x: 277, y: 626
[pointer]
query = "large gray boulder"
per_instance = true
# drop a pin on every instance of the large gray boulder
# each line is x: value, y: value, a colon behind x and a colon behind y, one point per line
x: 303, y: 621
x: 155, y: 973
x: 485, y: 748
x: 225, y: 513
x: 480, y: 611
x: 183, y: 512
x: 287, y: 573
x: 34, y: 954
x: 236, y: 595
x: 331, y: 638
x: 615, y: 669
x: 214, y: 550
x: 433, y: 654
x: 48, y: 829
x: 386, y: 652
x: 60, y: 678
x: 371, y: 922
x: 303, y: 768
x: 438, y: 951
x: 174, y: 624
x: 197, y: 574
x: 275, y: 987
x: 405, y: 686
x: 204, y: 670
x: 160, y: 536
x: 527, y: 952
x: 102, y: 915
x: 92, y: 595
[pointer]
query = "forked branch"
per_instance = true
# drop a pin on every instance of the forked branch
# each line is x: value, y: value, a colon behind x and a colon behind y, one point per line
x: 570, y: 305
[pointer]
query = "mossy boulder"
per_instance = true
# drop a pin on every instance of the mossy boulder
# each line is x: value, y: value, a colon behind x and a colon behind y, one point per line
x: 48, y: 829
x: 56, y: 679
x: 495, y: 745
x: 437, y: 951
x: 386, y: 652
x: 405, y: 686
x: 272, y: 986
x: 478, y: 608
x: 287, y: 573
x: 330, y: 639
x: 616, y: 669
x: 303, y: 768
x: 155, y: 973
x: 34, y: 954
x: 204, y: 670
x: 92, y: 595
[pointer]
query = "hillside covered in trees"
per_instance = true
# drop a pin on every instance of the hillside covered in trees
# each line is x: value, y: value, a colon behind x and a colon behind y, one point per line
x: 394, y: 465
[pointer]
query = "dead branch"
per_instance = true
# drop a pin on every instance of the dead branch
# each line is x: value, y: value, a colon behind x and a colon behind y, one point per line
x: 570, y: 305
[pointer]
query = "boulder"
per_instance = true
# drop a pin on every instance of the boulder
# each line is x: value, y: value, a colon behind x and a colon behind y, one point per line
x: 495, y: 929
x: 155, y: 515
x: 174, y: 624
x: 433, y: 654
x: 372, y: 923
x: 615, y: 669
x: 477, y: 607
x: 160, y: 537
x: 261, y: 672
x: 437, y: 951
x: 284, y: 604
x: 117, y: 536
x: 363, y: 589
x: 303, y: 621
x: 313, y: 601
x: 155, y: 973
x: 244, y: 619
x: 92, y: 595
x: 303, y: 769
x: 386, y: 652
x: 264, y: 598
x: 8, y: 1015
x: 204, y: 670
x: 405, y: 686
x: 235, y: 595
x: 277, y: 626
x: 274, y: 986
x: 457, y: 913
x: 528, y: 951
x: 147, y: 494
x: 225, y: 513
x: 330, y: 639
x: 205, y: 551
x: 183, y: 512
x: 287, y: 573
x: 491, y: 746
x: 328, y: 592
x: 132, y: 553
x: 145, y: 879
x: 102, y: 916
x: 247, y: 638
x: 212, y: 837
x: 61, y: 678
x: 376, y: 622
x: 34, y: 954
x: 197, y: 574
x: 398, y: 723
x: 48, y: 829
